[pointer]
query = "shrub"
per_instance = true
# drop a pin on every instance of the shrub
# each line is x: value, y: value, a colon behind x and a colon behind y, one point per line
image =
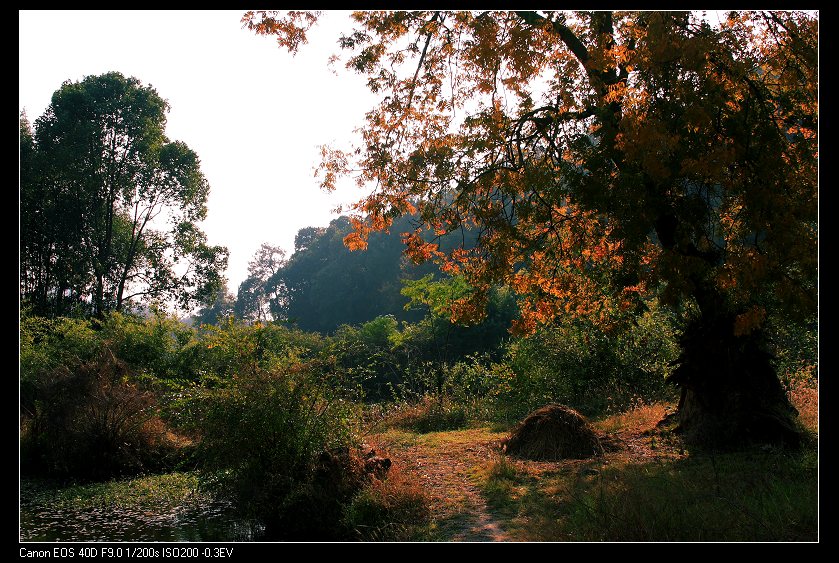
x: 435, y: 397
x: 369, y: 355
x: 262, y: 438
x: 803, y: 391
x: 92, y: 422
x: 594, y: 371
x: 795, y: 346
x: 430, y: 413
x: 150, y: 346
x: 46, y: 344
x: 218, y: 353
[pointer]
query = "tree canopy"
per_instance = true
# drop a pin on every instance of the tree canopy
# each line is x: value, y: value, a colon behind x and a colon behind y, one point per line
x: 261, y: 297
x: 323, y: 285
x: 110, y: 205
x: 600, y: 156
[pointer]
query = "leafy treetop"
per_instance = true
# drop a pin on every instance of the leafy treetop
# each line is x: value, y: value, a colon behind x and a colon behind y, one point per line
x: 598, y: 155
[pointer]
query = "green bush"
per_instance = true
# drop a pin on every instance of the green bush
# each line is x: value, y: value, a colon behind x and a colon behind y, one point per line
x: 429, y: 413
x: 577, y: 364
x: 234, y: 347
x: 381, y: 354
x: 46, y: 344
x: 262, y: 437
x: 369, y: 355
x: 446, y: 397
x: 795, y: 346
x: 89, y: 396
x: 152, y: 347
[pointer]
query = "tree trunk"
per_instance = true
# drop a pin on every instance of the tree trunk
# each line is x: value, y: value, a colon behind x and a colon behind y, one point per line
x: 99, y: 296
x: 731, y: 393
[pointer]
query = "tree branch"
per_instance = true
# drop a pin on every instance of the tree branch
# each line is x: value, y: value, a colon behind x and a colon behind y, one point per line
x: 568, y: 37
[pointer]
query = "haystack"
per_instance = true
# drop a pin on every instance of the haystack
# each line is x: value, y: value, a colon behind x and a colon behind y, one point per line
x: 551, y: 433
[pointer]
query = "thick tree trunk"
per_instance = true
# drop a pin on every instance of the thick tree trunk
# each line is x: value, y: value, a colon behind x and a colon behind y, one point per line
x: 731, y: 393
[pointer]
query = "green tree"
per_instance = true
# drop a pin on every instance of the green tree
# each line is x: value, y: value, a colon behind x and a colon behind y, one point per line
x: 222, y: 306
x: 109, y: 205
x: 262, y: 296
x: 327, y: 285
x: 602, y: 157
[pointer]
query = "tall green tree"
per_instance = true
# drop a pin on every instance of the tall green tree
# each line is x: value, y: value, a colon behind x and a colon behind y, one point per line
x: 262, y: 296
x: 325, y: 285
x: 110, y: 206
x: 603, y: 156
x: 221, y: 306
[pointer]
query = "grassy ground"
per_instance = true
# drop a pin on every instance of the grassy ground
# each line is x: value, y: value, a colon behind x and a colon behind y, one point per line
x: 457, y: 485
x: 446, y: 466
x: 168, y: 490
x: 647, y: 487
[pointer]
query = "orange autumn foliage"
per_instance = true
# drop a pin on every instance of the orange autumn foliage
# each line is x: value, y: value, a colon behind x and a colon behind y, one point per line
x: 598, y: 155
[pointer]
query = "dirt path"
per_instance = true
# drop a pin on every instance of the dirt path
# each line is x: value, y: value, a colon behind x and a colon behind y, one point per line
x: 451, y: 467
x: 448, y: 465
x: 647, y: 486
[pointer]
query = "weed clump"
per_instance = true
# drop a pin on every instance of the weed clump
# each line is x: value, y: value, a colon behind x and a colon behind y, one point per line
x: 392, y: 509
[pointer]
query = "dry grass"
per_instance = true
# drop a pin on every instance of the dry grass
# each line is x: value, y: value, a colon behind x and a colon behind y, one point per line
x: 392, y: 509
x: 640, y: 418
x: 429, y: 414
x: 648, y: 486
x: 448, y: 466
x: 94, y: 422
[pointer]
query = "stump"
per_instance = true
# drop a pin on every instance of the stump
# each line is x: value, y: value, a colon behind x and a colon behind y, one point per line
x: 552, y: 433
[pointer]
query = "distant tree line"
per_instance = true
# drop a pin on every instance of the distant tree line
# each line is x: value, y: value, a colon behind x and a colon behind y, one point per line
x: 323, y: 284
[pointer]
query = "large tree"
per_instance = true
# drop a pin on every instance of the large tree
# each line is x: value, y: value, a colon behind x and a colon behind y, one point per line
x: 262, y: 297
x: 603, y: 156
x: 325, y: 285
x: 217, y: 308
x: 109, y: 205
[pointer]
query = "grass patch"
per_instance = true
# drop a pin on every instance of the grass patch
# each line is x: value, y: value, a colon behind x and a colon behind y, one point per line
x: 454, y: 440
x: 397, y: 438
x: 428, y: 414
x: 747, y: 496
x: 640, y: 418
x: 501, y: 479
x: 752, y: 495
x: 804, y: 396
x: 153, y: 491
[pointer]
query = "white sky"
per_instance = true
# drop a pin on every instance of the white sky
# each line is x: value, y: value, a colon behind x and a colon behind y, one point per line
x: 254, y: 114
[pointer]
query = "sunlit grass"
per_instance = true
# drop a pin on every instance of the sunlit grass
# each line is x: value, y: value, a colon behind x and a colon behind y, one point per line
x: 757, y: 494
x: 804, y: 396
x: 428, y: 414
x: 641, y: 418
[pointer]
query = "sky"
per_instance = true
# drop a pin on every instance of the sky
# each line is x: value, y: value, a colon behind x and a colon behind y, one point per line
x: 254, y: 114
